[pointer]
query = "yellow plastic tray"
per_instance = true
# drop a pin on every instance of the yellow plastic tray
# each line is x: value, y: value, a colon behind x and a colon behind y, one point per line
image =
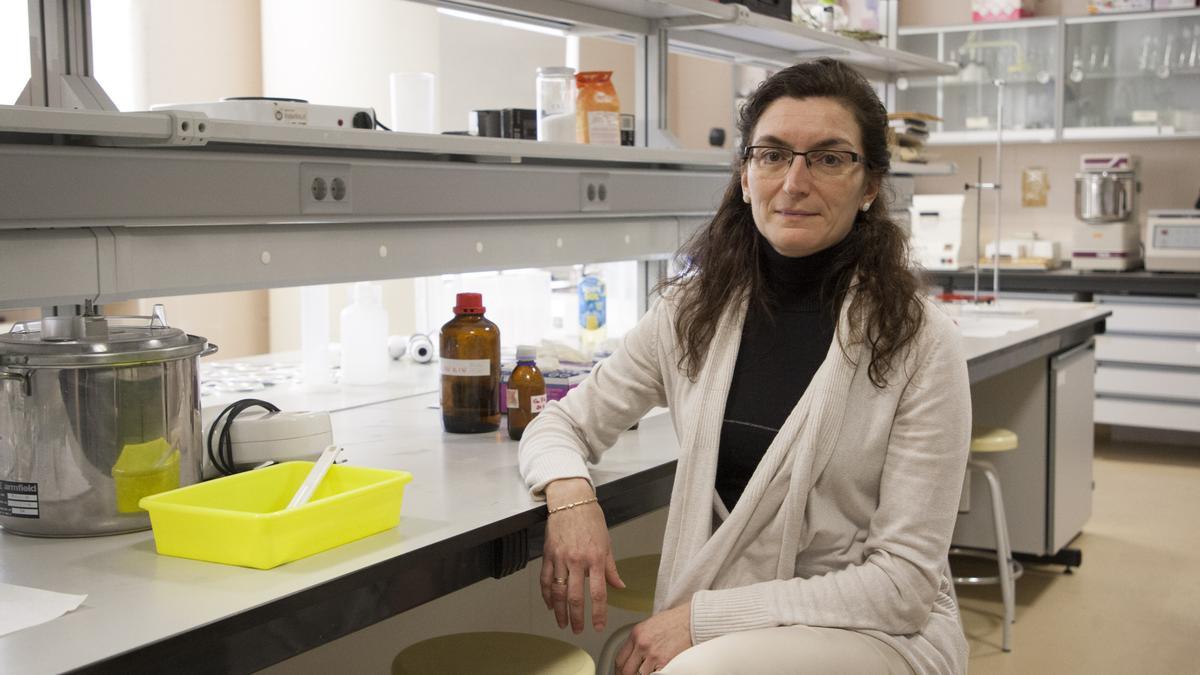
x: 242, y: 519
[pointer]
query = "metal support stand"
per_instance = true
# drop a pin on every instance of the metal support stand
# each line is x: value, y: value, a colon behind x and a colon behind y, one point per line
x: 995, y: 186
x: 651, y: 86
x: 60, y: 58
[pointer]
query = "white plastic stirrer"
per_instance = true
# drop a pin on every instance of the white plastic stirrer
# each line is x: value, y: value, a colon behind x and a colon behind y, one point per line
x: 315, y: 476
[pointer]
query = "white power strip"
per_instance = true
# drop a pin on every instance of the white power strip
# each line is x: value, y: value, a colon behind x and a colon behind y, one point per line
x: 259, y: 436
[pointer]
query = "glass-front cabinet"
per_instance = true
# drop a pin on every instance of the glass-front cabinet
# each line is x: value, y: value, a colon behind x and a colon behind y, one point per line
x: 1137, y: 77
x: 1115, y: 76
x: 1023, y: 55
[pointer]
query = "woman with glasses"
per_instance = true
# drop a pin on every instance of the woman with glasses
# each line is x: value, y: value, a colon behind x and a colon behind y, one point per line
x: 822, y: 410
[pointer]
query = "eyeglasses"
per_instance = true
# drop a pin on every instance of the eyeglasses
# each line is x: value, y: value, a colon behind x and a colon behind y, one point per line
x: 769, y: 161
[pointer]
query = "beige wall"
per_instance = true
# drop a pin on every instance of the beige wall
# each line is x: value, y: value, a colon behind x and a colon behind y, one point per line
x: 344, y: 57
x: 284, y: 328
x: 1170, y: 177
x: 699, y: 91
x: 487, y: 67
x: 145, y: 55
x: 214, y: 53
x: 620, y: 58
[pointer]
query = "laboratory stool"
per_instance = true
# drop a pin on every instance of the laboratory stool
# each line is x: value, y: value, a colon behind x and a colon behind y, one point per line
x: 987, y: 441
x: 493, y: 653
x: 640, y: 575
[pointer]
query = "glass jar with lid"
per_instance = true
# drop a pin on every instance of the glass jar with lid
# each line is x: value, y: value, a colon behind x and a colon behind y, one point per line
x: 556, y: 104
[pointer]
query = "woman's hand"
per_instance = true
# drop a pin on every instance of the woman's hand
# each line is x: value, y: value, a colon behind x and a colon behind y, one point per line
x: 654, y: 642
x: 577, y: 548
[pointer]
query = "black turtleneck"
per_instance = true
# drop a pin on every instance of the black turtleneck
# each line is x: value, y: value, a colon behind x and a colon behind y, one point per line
x: 779, y: 353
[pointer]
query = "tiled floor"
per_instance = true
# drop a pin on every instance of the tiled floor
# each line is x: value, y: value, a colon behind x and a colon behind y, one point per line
x: 1134, y: 604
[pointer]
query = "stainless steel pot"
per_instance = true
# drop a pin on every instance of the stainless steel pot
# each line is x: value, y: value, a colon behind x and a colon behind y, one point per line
x: 1105, y: 196
x: 95, y: 413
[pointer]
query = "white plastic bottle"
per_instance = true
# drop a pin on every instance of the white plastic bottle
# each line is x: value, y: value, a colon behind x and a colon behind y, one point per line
x: 364, y: 336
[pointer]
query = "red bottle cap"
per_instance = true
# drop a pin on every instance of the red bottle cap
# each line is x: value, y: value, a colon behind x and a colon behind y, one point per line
x: 469, y: 303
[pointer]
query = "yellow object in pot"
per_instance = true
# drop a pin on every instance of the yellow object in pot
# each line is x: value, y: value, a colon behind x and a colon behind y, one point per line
x: 144, y: 469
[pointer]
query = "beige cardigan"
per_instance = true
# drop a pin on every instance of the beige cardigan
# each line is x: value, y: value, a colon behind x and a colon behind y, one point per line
x: 847, y: 519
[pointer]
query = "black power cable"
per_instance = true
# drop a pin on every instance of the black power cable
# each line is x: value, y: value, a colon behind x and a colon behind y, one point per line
x: 222, y: 455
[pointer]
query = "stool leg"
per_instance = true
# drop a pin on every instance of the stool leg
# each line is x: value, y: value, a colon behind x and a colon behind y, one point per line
x: 608, y: 655
x: 1003, y: 553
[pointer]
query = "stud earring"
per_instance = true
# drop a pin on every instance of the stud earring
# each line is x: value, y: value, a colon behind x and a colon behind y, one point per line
x: 866, y: 207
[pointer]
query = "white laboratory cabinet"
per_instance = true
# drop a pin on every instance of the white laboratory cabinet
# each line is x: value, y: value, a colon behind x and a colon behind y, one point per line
x: 1047, y: 480
x: 1149, y: 370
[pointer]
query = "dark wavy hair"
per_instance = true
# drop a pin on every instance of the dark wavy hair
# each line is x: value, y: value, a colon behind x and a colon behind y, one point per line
x: 723, y: 261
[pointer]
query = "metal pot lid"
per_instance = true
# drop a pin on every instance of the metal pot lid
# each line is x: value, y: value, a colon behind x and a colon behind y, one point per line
x: 84, y: 341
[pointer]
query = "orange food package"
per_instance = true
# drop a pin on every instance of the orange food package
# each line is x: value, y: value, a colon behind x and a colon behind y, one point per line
x: 597, y: 109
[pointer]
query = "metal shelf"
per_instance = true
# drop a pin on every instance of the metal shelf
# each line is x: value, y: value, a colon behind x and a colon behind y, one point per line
x: 137, y: 205
x: 928, y: 169
x: 1126, y: 133
x: 726, y: 31
x: 110, y: 218
x: 988, y: 136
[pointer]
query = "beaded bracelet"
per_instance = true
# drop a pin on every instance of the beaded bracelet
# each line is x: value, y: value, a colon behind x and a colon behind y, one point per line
x: 572, y: 505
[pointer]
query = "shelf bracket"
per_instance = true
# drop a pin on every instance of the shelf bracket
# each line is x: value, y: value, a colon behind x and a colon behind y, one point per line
x: 651, y: 88
x: 60, y: 50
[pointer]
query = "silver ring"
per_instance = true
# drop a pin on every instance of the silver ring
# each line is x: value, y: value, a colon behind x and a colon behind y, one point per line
x: 560, y: 581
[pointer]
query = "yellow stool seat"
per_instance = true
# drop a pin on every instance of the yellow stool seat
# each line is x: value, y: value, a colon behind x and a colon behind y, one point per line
x: 640, y: 575
x: 493, y: 653
x: 993, y: 440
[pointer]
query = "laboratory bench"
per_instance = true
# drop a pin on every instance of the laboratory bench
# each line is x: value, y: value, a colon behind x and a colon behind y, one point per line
x: 1085, y: 284
x: 466, y: 516
x: 1148, y: 374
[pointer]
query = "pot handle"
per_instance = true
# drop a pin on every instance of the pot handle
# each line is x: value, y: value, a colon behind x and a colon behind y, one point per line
x: 24, y: 378
x: 209, y: 350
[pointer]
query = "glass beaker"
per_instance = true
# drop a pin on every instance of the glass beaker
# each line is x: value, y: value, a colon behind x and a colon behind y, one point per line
x: 556, y: 104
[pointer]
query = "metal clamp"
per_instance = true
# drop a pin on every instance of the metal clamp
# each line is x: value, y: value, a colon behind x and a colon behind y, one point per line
x: 25, y: 379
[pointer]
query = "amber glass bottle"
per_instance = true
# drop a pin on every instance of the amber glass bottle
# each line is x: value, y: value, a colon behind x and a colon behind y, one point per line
x: 470, y: 363
x: 526, y: 392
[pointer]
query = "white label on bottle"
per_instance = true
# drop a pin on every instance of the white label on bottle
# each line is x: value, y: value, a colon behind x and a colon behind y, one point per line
x: 537, y: 403
x: 467, y: 367
x: 604, y: 127
x: 512, y: 399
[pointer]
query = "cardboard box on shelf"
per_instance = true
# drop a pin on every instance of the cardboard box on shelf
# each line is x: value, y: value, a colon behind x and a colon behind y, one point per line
x: 1118, y: 6
x: 1002, y: 10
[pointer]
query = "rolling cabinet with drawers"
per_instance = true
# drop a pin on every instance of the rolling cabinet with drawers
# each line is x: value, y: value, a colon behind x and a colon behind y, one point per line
x: 1148, y: 363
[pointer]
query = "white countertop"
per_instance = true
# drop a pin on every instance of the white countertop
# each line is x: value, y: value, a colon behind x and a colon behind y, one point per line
x: 461, y: 483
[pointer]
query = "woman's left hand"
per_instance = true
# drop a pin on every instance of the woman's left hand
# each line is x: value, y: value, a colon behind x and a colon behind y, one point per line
x: 654, y: 642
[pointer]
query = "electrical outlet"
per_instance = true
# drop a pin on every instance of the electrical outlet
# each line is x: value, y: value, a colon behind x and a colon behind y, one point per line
x: 325, y: 188
x: 594, y: 192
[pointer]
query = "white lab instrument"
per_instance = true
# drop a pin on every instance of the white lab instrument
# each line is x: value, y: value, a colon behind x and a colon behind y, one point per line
x: 1173, y: 240
x: 258, y: 436
x: 286, y: 111
x: 1106, y: 238
x: 314, y: 478
x: 940, y: 241
x: 1023, y: 252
